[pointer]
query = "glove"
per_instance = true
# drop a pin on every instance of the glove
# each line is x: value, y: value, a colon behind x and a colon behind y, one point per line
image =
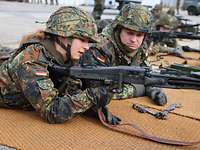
x: 110, y: 118
x: 178, y: 51
x: 100, y: 96
x: 156, y: 95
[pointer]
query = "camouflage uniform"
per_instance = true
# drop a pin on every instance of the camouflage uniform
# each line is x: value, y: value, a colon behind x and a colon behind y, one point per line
x: 26, y: 81
x: 166, y: 45
x: 171, y: 11
x: 156, y: 12
x: 5, y: 53
x: 98, y: 9
x: 111, y: 52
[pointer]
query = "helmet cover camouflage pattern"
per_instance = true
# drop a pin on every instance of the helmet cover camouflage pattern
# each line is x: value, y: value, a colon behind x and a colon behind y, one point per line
x: 70, y: 21
x: 171, y: 11
x: 134, y: 17
x: 167, y: 21
x: 157, y: 7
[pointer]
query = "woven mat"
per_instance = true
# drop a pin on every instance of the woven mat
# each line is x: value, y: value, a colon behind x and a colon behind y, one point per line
x: 169, y: 59
x: 26, y: 131
x: 189, y: 99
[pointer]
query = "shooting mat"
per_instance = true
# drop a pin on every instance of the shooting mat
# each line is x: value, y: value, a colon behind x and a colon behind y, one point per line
x: 25, y: 130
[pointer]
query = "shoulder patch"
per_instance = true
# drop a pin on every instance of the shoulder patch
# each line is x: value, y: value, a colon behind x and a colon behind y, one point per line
x: 41, y: 73
x: 99, y: 57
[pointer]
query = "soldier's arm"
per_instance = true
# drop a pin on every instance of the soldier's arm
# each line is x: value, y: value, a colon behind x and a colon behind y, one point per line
x: 33, y: 79
x: 170, y: 50
x: 130, y: 91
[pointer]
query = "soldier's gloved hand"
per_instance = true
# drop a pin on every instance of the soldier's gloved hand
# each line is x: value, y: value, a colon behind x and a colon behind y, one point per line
x: 178, y: 51
x: 157, y: 95
x: 110, y: 118
x: 99, y: 96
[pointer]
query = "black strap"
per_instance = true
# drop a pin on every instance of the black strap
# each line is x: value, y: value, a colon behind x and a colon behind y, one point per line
x: 67, y: 49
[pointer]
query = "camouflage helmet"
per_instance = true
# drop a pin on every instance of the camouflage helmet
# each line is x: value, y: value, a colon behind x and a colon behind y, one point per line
x: 70, y: 21
x: 167, y: 21
x: 157, y: 7
x: 134, y: 17
x: 171, y: 11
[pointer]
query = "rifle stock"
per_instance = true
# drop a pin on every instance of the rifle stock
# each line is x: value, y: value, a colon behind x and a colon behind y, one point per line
x: 130, y: 75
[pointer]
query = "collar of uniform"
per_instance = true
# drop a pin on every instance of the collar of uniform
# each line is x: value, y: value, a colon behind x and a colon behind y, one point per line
x: 49, y: 45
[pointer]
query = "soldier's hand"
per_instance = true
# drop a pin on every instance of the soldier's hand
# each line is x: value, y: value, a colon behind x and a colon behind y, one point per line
x: 157, y: 95
x: 99, y: 96
x: 178, y: 51
x: 110, y: 118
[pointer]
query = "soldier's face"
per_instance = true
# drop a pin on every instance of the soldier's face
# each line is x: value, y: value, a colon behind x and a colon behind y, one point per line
x: 78, y: 47
x: 163, y: 29
x: 132, y: 39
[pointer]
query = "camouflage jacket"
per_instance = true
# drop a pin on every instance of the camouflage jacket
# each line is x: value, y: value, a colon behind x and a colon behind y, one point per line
x: 108, y: 53
x: 27, y: 83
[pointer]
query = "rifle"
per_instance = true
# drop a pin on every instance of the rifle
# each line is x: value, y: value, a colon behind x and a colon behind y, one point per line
x: 189, y: 25
x: 185, y: 69
x: 181, y: 18
x: 131, y: 74
x: 189, y: 49
x: 194, y: 28
x: 157, y: 36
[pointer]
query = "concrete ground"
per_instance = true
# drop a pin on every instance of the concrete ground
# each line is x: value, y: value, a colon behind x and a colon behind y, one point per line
x: 18, y: 19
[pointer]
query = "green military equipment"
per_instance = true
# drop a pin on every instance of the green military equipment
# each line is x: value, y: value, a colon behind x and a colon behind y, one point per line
x: 186, y: 69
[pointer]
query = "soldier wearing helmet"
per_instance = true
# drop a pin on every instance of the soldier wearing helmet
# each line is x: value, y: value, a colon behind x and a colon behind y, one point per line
x: 28, y: 82
x: 157, y: 11
x: 123, y: 43
x: 166, y: 23
x: 98, y: 9
x: 171, y: 11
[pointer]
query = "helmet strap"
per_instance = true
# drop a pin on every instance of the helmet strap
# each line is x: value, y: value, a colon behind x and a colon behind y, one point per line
x: 66, y: 48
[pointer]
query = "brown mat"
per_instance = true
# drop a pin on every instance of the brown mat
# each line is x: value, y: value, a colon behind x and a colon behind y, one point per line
x: 189, y: 99
x: 169, y: 59
x: 25, y: 130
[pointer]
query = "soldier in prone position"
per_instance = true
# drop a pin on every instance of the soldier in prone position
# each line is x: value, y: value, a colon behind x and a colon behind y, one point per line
x: 27, y: 82
x: 123, y: 43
